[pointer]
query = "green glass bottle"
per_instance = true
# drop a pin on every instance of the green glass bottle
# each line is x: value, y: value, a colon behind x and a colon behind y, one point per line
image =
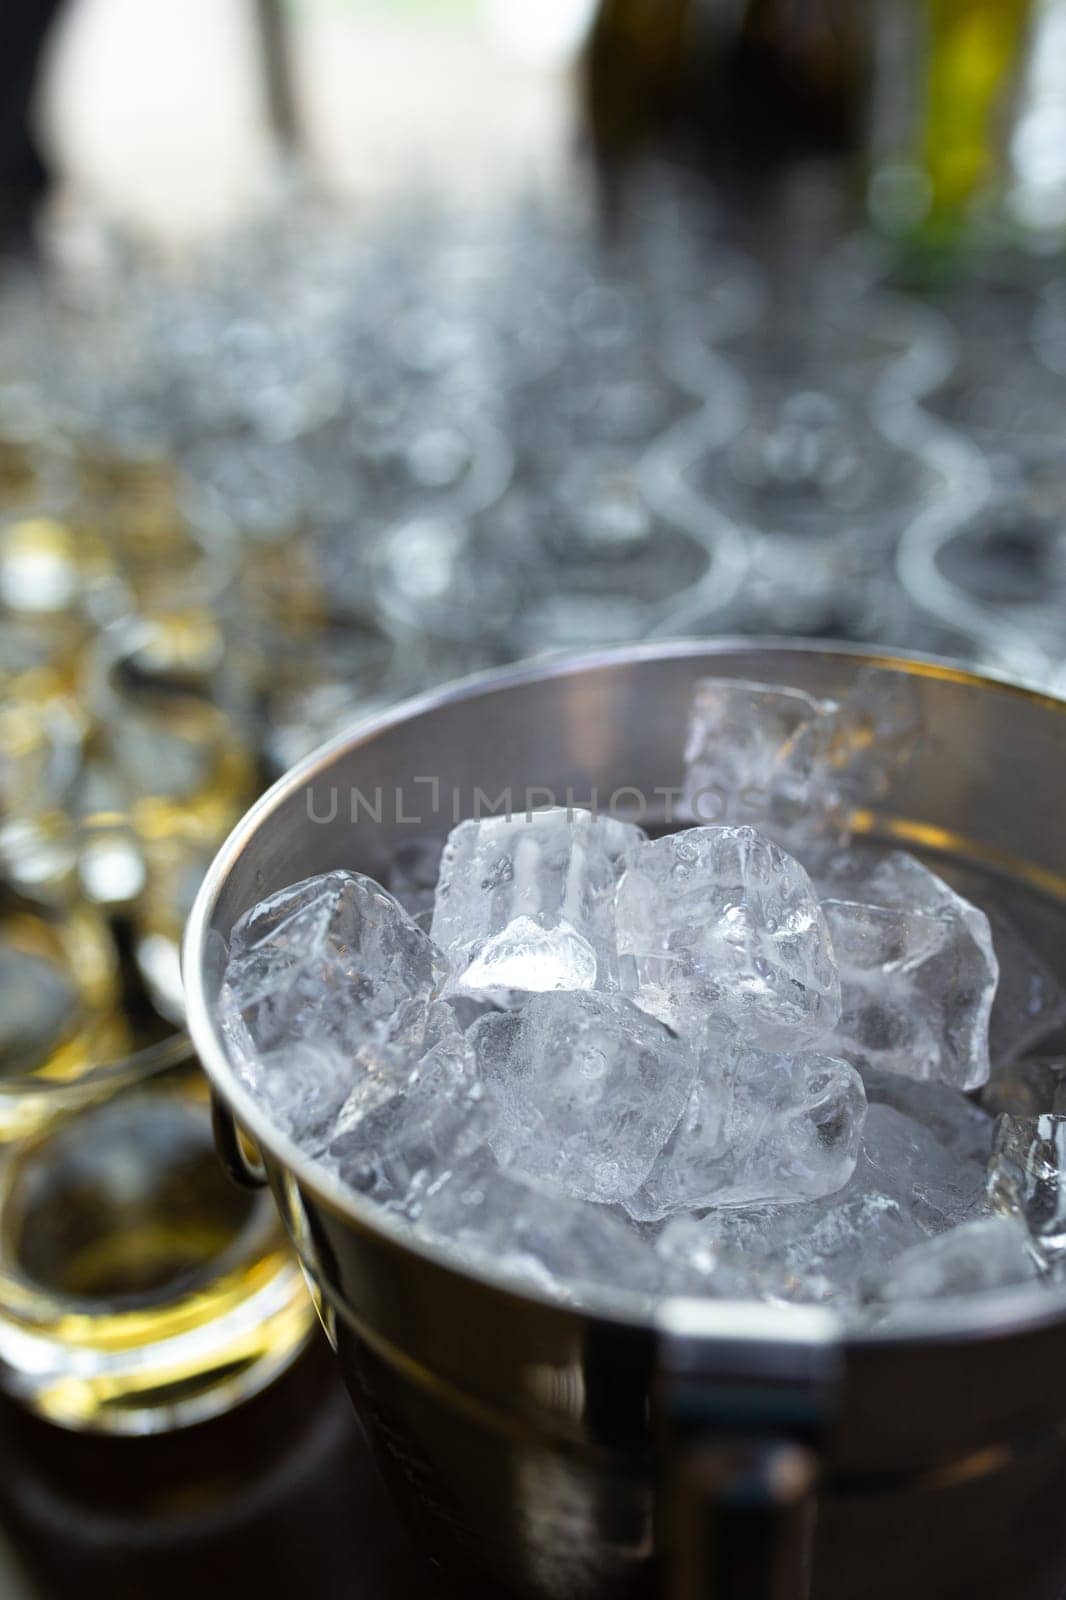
x: 939, y: 167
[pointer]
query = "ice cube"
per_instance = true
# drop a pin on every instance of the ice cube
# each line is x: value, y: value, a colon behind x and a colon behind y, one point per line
x: 587, y: 1089
x: 321, y: 1094
x: 910, y: 1182
x: 1027, y: 1176
x: 758, y: 1128
x: 325, y: 995
x: 526, y: 956
x: 422, y: 1046
x: 876, y: 730
x: 415, y: 1108
x: 553, y: 866
x: 470, y: 1008
x: 537, y: 1237
x: 695, y: 1261
x: 792, y: 765
x: 325, y: 963
x: 936, y: 1184
x: 926, y: 1146
x: 961, y: 1128
x: 303, y: 1086
x: 917, y: 969
x: 717, y: 923
x: 743, y: 746
x: 991, y: 1253
x: 819, y: 1249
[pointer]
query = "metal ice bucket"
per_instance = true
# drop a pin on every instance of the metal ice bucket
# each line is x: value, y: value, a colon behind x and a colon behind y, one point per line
x: 722, y: 1449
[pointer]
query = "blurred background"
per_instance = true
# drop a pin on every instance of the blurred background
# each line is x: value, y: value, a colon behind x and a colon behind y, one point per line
x: 348, y: 346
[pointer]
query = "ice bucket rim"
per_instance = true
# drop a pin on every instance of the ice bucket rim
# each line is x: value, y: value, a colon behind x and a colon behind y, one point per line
x: 990, y: 1316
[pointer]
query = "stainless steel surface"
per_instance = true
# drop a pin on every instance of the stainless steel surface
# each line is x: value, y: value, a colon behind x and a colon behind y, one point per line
x: 522, y: 1437
x: 246, y: 1170
x: 741, y: 1519
x: 740, y: 1421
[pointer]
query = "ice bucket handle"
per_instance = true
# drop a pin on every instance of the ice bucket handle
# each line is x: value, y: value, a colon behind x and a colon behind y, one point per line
x: 742, y: 1401
x: 237, y: 1153
x: 740, y: 1514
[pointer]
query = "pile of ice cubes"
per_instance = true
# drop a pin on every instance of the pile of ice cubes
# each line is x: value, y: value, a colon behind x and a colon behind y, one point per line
x: 740, y: 1059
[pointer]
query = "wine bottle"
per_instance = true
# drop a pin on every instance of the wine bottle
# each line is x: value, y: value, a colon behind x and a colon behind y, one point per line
x: 736, y: 86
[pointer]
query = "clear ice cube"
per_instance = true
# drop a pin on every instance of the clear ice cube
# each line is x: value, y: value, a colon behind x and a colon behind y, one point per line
x: 526, y: 956
x: 553, y: 866
x: 819, y: 1249
x: 795, y: 766
x: 962, y: 1128
x: 758, y: 1128
x: 917, y: 969
x: 326, y: 1002
x: 587, y: 1088
x: 415, y: 1109
x: 326, y: 962
x: 719, y: 923
x: 876, y: 730
x: 743, y: 746
x: 910, y: 1182
x: 1027, y: 1176
x: 695, y: 1261
x: 932, y: 1182
x: 976, y: 1257
x: 928, y: 1145
x: 535, y: 1236
x: 303, y: 1085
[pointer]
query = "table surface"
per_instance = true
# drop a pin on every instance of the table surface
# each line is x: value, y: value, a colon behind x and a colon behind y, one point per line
x: 279, y: 1498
